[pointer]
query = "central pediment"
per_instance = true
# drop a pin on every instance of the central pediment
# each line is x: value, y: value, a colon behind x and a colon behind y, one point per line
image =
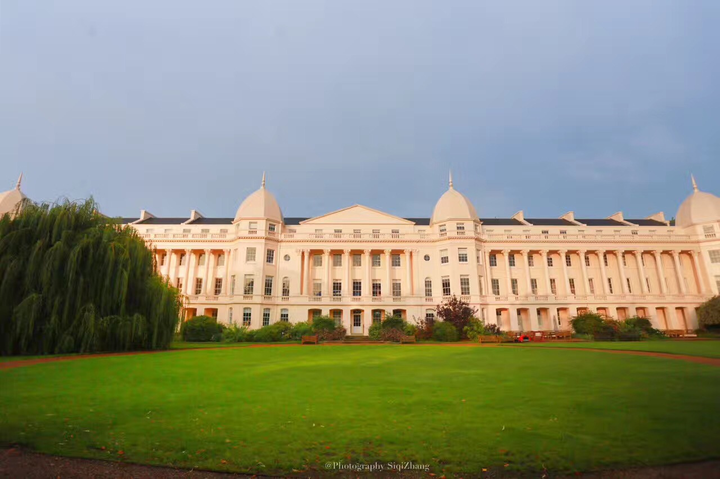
x: 357, y: 215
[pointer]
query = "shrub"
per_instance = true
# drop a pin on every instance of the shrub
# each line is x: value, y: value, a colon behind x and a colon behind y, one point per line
x: 273, y: 333
x: 301, y: 329
x: 444, y: 331
x: 457, y: 312
x: 424, y: 329
x: 410, y: 329
x: 323, y: 323
x: 393, y: 322
x: 201, y: 329
x: 234, y: 334
x: 375, y: 331
x: 709, y: 314
x: 337, y: 334
x: 392, y: 334
x: 587, y: 323
x: 477, y: 328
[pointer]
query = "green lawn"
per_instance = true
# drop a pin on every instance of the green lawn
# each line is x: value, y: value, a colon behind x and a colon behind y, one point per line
x: 186, y: 345
x: 709, y: 348
x: 275, y: 410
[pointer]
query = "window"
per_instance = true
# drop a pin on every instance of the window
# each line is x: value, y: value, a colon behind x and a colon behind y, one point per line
x: 444, y: 259
x: 221, y: 260
x: 533, y: 285
x: 357, y: 287
x: 183, y: 257
x: 376, y: 288
x: 531, y: 260
x: 198, y: 285
x: 709, y: 231
x: 465, y: 285
x: 179, y: 284
x: 317, y: 260
x: 549, y: 261
x: 337, y: 260
x: 480, y: 285
x: 337, y: 288
x: 395, y: 260
x: 587, y: 260
x: 446, y: 285
x: 462, y: 255
x: 443, y: 230
x: 610, y: 288
x: 375, y: 233
x: 428, y: 288
x: 514, y: 286
x: 571, y: 281
x: 714, y: 255
x: 629, y: 285
x: 249, y: 284
x: 286, y: 287
x: 318, y: 233
x: 284, y: 316
x: 395, y: 233
x: 377, y: 316
x: 545, y: 232
x: 396, y: 288
x: 357, y: 260
x: 250, y: 254
x: 591, y: 285
x: 460, y: 227
x: 605, y: 259
x: 357, y: 234
x: 266, y: 317
x: 218, y: 286
x: 201, y: 260
x: 270, y: 256
x: 496, y: 287
x: 553, y: 286
x: 317, y: 287
x: 272, y: 228
x: 429, y: 315
x: 268, y: 285
x: 493, y: 260
x: 563, y: 232
x: 511, y: 260
x: 337, y: 316
x: 337, y: 233
x: 230, y: 318
x: 247, y: 316
x: 163, y: 261
x: 376, y: 261
x: 252, y: 228
x: 568, y: 260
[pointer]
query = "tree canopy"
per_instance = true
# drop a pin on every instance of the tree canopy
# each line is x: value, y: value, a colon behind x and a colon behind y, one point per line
x: 709, y: 314
x: 73, y: 280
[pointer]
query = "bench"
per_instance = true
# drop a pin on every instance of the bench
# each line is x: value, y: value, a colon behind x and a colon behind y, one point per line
x: 562, y: 335
x: 407, y: 339
x: 538, y: 336
x: 489, y: 339
x: 309, y: 340
x: 674, y: 333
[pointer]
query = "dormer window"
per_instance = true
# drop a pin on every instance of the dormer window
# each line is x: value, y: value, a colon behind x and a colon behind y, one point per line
x: 252, y: 228
x: 272, y: 228
x: 443, y: 230
x: 460, y: 227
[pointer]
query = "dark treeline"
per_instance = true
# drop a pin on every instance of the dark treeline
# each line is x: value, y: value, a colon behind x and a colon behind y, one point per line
x: 73, y: 280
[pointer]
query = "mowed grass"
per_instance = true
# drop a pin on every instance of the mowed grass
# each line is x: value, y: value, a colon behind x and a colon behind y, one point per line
x: 706, y: 348
x: 456, y: 409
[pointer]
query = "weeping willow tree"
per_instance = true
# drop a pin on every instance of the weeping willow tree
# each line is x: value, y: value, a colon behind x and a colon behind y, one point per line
x: 73, y: 280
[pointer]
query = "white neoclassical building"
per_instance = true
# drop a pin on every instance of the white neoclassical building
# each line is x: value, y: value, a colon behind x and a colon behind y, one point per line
x: 357, y: 263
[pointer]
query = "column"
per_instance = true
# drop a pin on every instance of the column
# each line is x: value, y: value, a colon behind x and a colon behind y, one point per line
x: 168, y: 260
x: 583, y: 267
x: 528, y: 284
x: 506, y: 257
x: 603, y: 271
x: 347, y: 289
x: 408, y: 274
x: 533, y: 313
x: 488, y: 276
x: 207, y: 272
x: 566, y: 278
x: 641, y: 270
x: 621, y: 267
x: 661, y: 275
x: 367, y: 286
x: 546, y: 270
x: 387, y: 290
x: 678, y: 272
x: 306, y: 283
x: 328, y: 274
x: 226, y: 275
x: 698, y: 273
x: 188, y: 276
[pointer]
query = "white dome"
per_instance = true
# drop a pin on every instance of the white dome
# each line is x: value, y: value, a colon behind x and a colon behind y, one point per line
x: 260, y: 205
x: 453, y: 205
x: 700, y: 207
x: 11, y: 201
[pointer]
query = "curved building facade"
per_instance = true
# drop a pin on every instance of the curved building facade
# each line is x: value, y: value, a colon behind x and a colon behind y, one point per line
x: 357, y: 263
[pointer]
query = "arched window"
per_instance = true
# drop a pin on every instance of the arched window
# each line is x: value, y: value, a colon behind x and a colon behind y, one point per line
x: 428, y: 288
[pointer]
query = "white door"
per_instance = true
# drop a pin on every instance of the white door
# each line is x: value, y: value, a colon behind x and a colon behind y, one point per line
x: 357, y: 323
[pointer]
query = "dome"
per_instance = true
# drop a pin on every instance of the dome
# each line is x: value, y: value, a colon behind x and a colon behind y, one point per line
x: 260, y: 205
x: 10, y: 201
x: 453, y: 205
x: 700, y: 207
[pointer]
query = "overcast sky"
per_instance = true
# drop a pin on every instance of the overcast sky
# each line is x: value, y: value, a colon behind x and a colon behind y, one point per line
x: 544, y: 106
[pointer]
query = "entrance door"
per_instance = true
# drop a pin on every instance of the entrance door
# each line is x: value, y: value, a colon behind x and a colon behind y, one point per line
x: 357, y: 327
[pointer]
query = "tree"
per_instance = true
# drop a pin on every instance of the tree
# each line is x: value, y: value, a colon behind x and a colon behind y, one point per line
x: 457, y: 312
x: 73, y: 280
x: 709, y: 314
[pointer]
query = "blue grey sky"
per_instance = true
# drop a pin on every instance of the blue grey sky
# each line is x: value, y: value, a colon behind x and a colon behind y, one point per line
x: 544, y: 106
